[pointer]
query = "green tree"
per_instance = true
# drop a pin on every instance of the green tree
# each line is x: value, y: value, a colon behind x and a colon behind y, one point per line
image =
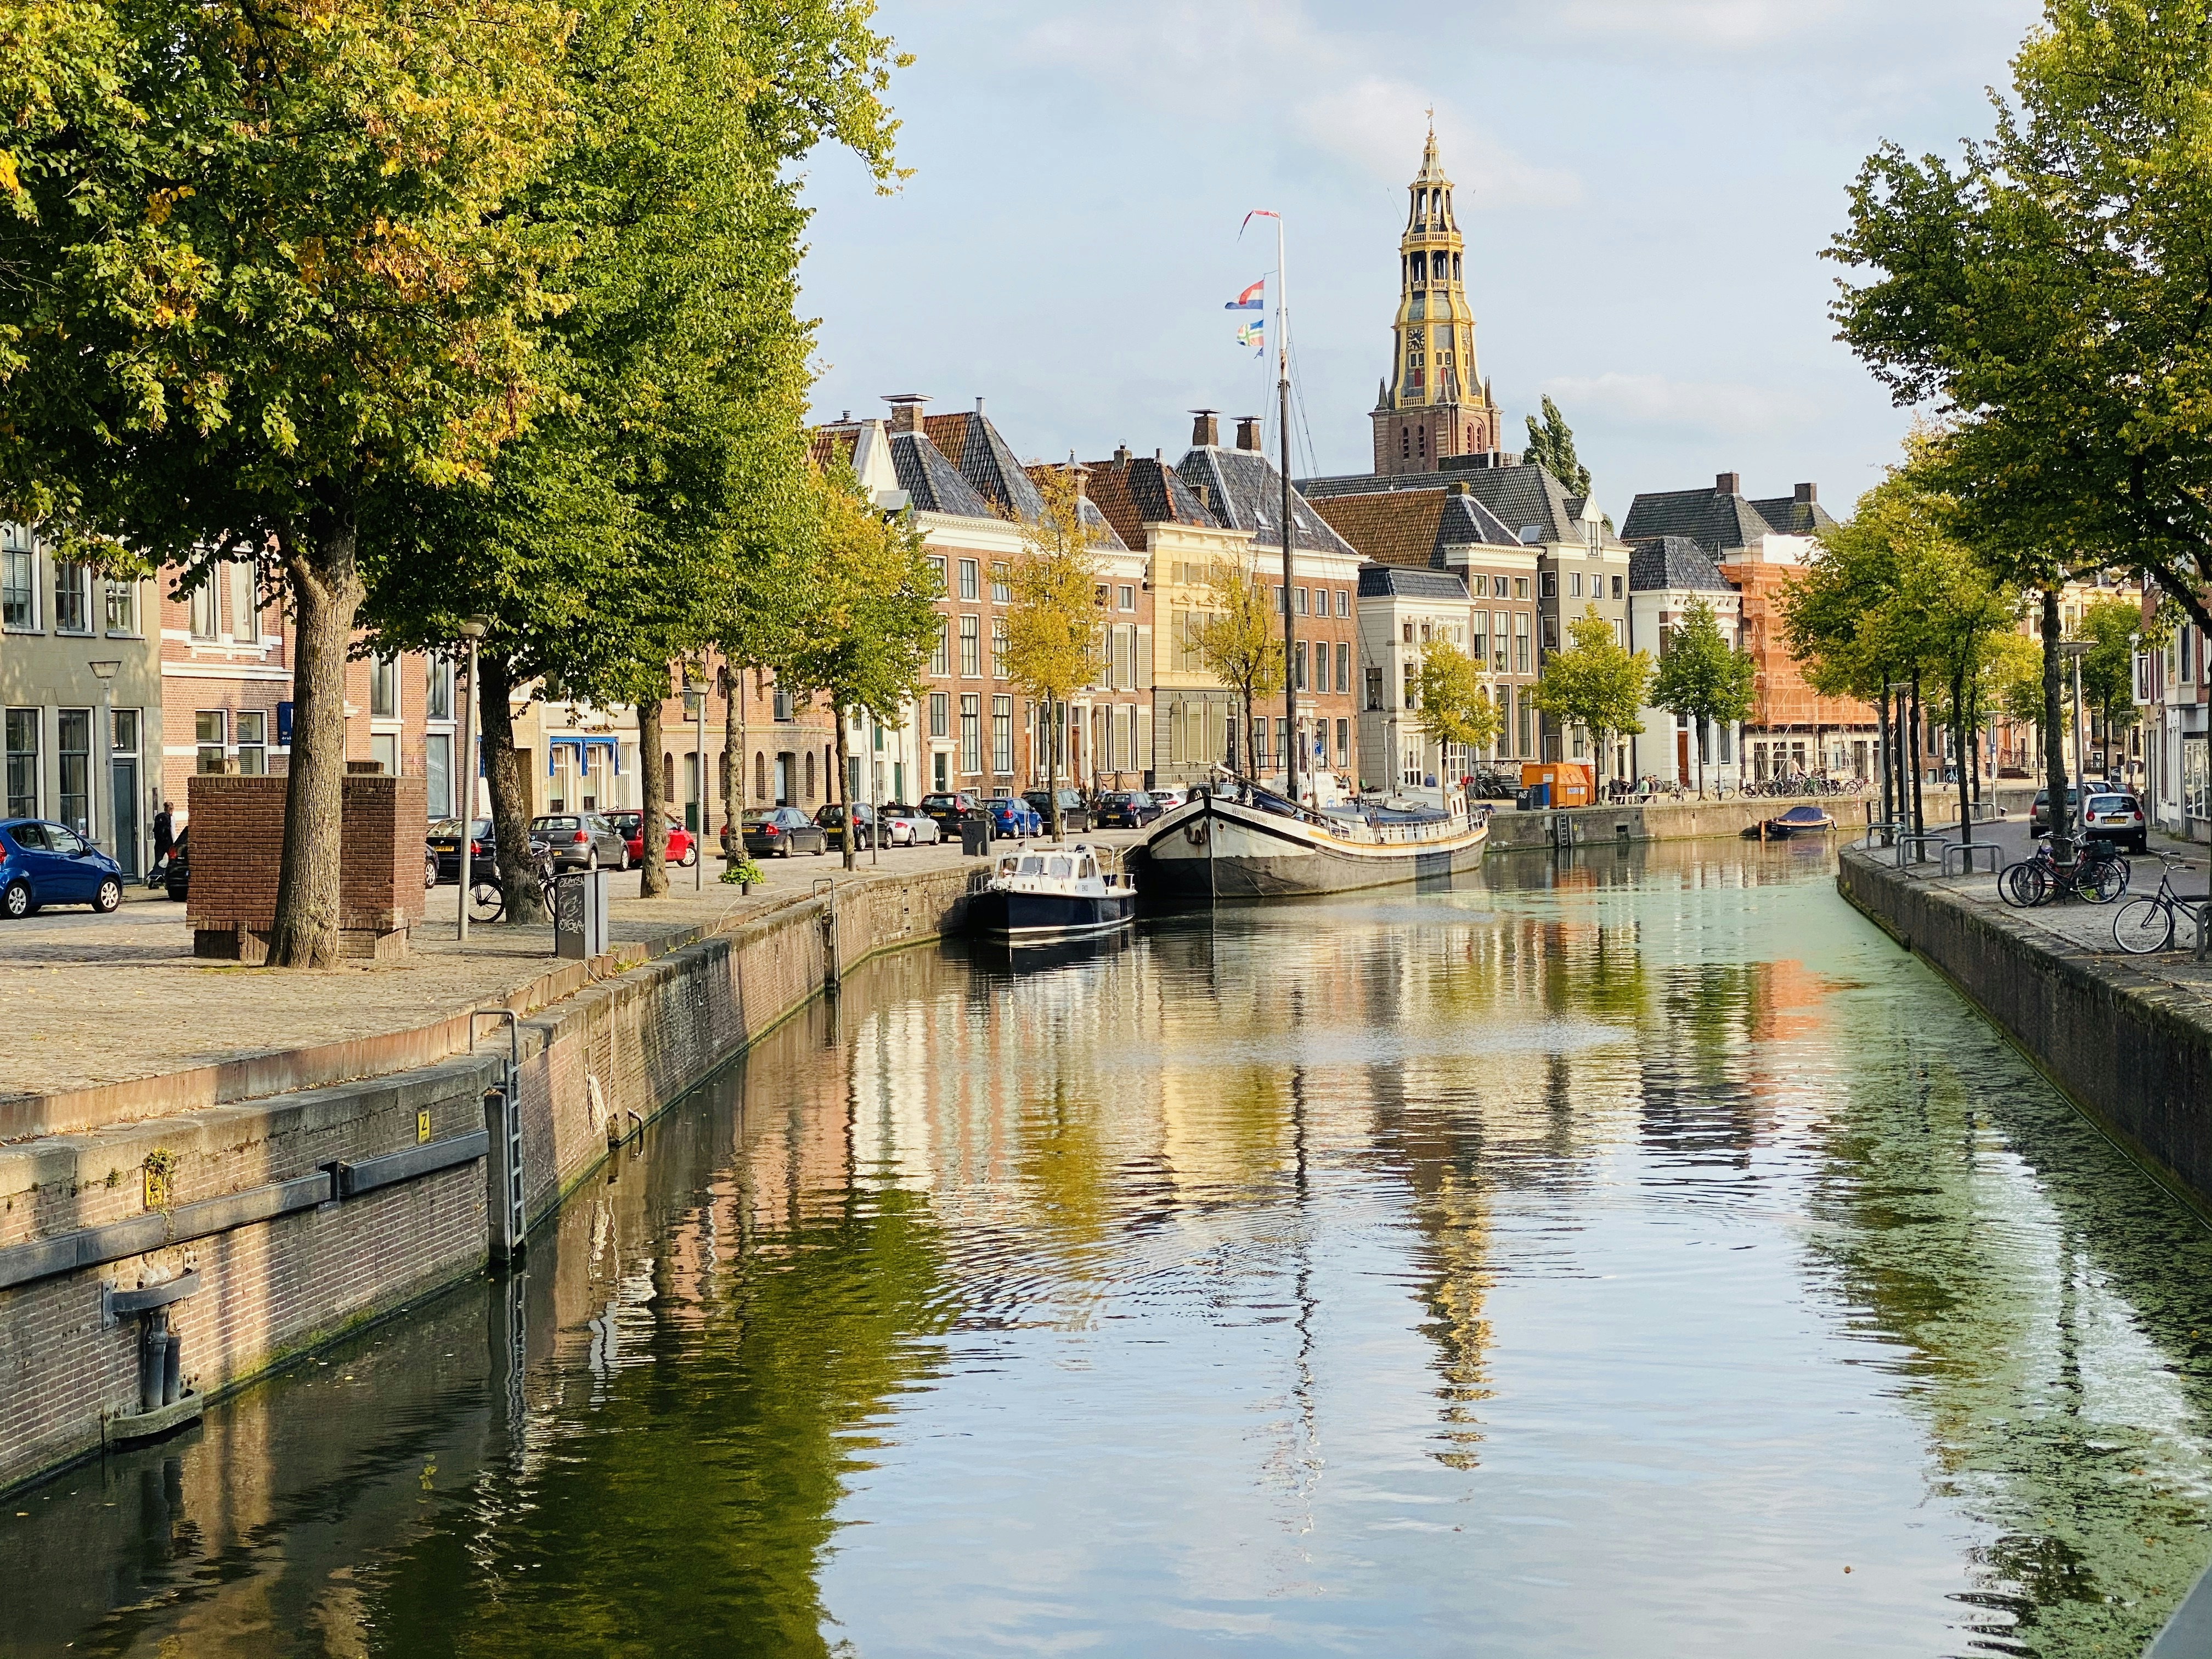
x: 1552, y: 447
x: 288, y: 282
x: 2116, y: 631
x: 1703, y: 678
x: 1452, y: 704
x: 1596, y: 682
x: 871, y: 622
x: 1055, y: 623
x: 1241, y: 642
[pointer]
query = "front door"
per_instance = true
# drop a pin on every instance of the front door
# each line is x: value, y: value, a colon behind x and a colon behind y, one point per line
x: 1682, y: 756
x: 124, y: 815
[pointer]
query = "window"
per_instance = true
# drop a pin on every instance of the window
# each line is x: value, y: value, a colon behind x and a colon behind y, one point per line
x: 998, y: 648
x: 23, y: 762
x: 939, y: 713
x: 779, y: 704
x: 937, y: 569
x: 19, y: 582
x: 253, y: 744
x: 1344, y: 668
x: 123, y: 607
x: 1550, y: 585
x: 72, y: 598
x: 1299, y: 603
x: 1616, y: 588
x: 73, y: 753
x: 438, y: 772
x: 1374, y: 686
x: 1128, y: 596
x: 438, y: 698
x: 1480, y: 654
x: 208, y: 734
x: 1521, y: 649
x: 1344, y: 602
x: 1502, y: 628
x: 971, y: 732
x: 384, y: 750
x: 244, y: 602
x: 1519, y: 587
x: 202, y: 600
x: 809, y: 777
x: 1343, y: 745
x: 1302, y: 664
x: 1002, y: 592
x: 969, y: 573
x: 1405, y: 633
x: 1619, y: 638
x: 1521, y: 727
x: 1002, y: 737
x: 940, y: 659
x: 971, y: 648
x: 1574, y: 584
x: 383, y: 688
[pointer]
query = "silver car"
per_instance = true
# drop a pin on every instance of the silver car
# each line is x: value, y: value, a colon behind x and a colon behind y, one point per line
x: 581, y: 841
x: 909, y: 826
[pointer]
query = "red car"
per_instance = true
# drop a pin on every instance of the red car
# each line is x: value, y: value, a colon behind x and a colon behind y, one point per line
x: 682, y: 850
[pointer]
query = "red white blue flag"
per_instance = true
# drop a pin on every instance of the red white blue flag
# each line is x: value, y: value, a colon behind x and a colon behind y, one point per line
x: 1249, y: 300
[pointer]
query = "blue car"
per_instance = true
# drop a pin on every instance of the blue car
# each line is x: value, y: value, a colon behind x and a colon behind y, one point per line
x: 51, y: 864
x: 1013, y: 815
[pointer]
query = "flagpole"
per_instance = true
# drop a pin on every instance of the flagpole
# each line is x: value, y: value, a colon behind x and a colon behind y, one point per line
x: 1291, y: 742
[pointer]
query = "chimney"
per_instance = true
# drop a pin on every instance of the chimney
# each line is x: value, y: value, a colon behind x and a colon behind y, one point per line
x: 1205, y: 429
x: 1247, y: 433
x: 1205, y: 496
x: 979, y: 405
x: 1120, y: 458
x: 1728, y: 484
x: 1460, y: 487
x: 1808, y: 493
x: 906, y: 410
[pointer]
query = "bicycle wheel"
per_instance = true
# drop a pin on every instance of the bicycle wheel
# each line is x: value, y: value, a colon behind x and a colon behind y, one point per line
x: 2103, y: 882
x: 2023, y: 886
x: 486, y: 902
x: 2143, y: 927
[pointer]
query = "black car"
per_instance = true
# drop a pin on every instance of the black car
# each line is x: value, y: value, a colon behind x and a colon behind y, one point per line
x: 1074, y: 811
x: 177, y: 879
x: 1127, y: 808
x: 444, y: 841
x: 581, y: 841
x: 831, y: 818
x: 778, y: 832
x: 948, y: 807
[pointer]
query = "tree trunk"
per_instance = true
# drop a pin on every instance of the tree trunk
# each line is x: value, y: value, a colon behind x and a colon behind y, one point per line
x: 1055, y: 721
x: 2054, y: 750
x: 325, y: 576
x: 734, y: 760
x: 1888, y: 758
x: 653, y: 868
x: 852, y: 831
x: 1699, y: 733
x: 1959, y: 730
x: 510, y: 813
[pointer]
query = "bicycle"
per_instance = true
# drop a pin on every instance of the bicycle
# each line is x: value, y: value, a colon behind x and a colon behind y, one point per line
x: 488, y: 899
x: 2143, y: 926
x: 2097, y: 873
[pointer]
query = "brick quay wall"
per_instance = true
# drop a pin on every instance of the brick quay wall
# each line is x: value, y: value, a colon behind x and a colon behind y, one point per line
x: 253, y: 1199
x: 1693, y: 819
x: 2130, y: 1048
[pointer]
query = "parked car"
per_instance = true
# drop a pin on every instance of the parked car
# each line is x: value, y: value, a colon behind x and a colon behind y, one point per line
x: 581, y: 841
x: 909, y: 826
x: 682, y: 850
x: 949, y: 807
x: 444, y: 842
x: 2038, y: 815
x: 1009, y: 815
x: 177, y: 879
x: 780, y: 831
x: 1125, y: 809
x: 2116, y: 818
x: 1074, y: 811
x: 832, y: 820
x: 43, y: 863
x: 1170, y: 798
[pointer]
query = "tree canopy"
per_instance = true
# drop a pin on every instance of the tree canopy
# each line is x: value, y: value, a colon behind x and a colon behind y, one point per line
x: 1552, y: 447
x: 1241, y: 642
x: 1058, y: 617
x: 1596, y: 682
x: 1703, y: 678
x: 1452, y: 703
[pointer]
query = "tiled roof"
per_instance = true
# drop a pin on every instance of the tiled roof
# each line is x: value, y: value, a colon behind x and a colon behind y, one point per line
x: 1467, y: 522
x: 1793, y: 517
x: 972, y: 444
x: 1378, y: 582
x: 1107, y: 535
x: 1133, y: 492
x: 1516, y: 496
x: 832, y: 446
x: 1667, y: 563
x: 1243, y: 491
x: 1399, y: 529
x: 1716, y: 522
x: 931, y: 483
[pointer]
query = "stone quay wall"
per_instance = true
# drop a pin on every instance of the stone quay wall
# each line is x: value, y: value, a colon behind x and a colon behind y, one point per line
x: 2132, y: 1053
x: 257, y: 1197
x: 1692, y: 819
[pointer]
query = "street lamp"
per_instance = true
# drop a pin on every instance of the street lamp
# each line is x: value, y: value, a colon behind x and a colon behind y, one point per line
x: 1893, y: 742
x: 471, y: 630
x: 104, y: 748
x: 695, y: 696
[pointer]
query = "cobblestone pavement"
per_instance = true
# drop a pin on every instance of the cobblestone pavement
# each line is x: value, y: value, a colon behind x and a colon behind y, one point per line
x: 2079, y: 925
x: 93, y: 999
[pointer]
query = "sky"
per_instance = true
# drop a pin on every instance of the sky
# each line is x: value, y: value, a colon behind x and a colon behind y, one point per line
x: 1645, y: 187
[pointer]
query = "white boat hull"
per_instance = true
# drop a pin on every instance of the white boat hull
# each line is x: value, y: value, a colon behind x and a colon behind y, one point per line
x: 1211, y: 848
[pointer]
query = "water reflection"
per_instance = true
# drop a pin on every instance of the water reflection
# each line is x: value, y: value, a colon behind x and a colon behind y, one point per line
x: 1603, y: 1260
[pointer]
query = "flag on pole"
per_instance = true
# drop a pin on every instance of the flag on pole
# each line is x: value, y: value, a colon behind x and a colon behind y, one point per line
x: 1258, y: 212
x: 1249, y: 300
x: 1254, y: 335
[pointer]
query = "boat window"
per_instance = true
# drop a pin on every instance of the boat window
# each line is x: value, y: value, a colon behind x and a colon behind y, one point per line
x: 1085, y: 869
x: 1006, y: 867
x: 1032, y: 866
x: 1057, y: 868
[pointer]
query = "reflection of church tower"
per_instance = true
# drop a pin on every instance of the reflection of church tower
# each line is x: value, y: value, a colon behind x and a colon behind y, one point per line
x: 1434, y: 403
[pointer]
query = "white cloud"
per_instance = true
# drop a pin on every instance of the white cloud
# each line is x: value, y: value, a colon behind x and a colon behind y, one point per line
x: 1724, y: 23
x: 1378, y: 123
x: 1653, y: 400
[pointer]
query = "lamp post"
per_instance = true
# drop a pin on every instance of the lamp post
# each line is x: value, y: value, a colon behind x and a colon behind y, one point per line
x: 2074, y: 650
x: 1892, y: 743
x: 471, y: 630
x: 103, y: 751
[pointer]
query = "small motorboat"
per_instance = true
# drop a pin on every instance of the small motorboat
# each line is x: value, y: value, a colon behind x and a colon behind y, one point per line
x: 1798, y: 820
x: 1044, y: 894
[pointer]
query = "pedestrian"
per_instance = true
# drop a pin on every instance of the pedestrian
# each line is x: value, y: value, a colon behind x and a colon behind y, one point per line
x: 165, y: 841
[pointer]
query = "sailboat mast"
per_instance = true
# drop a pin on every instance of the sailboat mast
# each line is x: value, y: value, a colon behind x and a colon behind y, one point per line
x: 1291, y: 743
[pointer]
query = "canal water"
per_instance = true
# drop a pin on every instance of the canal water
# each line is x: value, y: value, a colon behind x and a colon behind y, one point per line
x: 1631, y: 1256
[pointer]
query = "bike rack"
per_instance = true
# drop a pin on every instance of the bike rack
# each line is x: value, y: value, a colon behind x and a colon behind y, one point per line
x: 1965, y: 851
x: 1919, y: 844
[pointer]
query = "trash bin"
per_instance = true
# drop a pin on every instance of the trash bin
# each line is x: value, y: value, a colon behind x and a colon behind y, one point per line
x: 579, y: 914
x: 975, y: 836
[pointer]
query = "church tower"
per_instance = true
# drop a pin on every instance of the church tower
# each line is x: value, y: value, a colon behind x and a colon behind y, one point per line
x: 1434, y: 403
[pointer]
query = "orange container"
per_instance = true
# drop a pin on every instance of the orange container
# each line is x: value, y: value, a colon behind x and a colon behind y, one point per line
x: 1570, y: 783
